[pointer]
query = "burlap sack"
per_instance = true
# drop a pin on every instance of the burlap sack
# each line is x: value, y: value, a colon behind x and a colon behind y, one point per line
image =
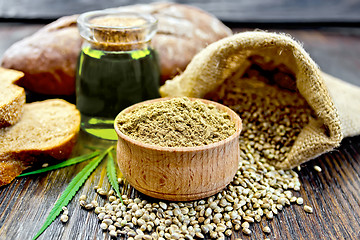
x: 336, y: 103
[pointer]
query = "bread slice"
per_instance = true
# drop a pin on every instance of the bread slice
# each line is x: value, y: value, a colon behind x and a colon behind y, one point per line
x: 12, y: 97
x: 46, y: 129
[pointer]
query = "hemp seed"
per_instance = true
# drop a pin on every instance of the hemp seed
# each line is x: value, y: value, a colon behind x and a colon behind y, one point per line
x: 300, y: 201
x: 308, y: 209
x: 266, y: 229
x: 113, y: 233
x: 246, y: 231
x: 82, y: 198
x: 64, y: 218
x: 317, y: 168
x: 272, y: 119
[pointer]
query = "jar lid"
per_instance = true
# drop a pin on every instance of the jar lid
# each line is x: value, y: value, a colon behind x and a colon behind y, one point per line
x: 117, y: 30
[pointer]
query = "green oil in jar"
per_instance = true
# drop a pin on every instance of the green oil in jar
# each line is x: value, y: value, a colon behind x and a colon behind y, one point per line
x: 108, y: 82
x: 116, y: 68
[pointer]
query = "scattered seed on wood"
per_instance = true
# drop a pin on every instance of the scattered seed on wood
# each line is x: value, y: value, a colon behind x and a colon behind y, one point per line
x: 317, y: 168
x: 199, y: 235
x: 103, y: 226
x: 107, y: 221
x: 65, y: 211
x: 94, y: 203
x: 82, y: 203
x: 64, y: 218
x: 245, y: 225
x: 82, y: 198
x: 89, y: 206
x: 248, y: 219
x: 246, y: 231
x: 102, y: 192
x: 266, y: 229
x: 308, y: 209
x: 113, y: 233
x: 293, y: 199
x: 228, y: 232
x: 272, y: 119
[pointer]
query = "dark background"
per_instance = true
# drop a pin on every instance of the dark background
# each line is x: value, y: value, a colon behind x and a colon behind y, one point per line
x: 338, y: 21
x: 236, y: 11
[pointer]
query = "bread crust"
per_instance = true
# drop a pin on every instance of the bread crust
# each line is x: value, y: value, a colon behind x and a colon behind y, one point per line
x: 48, y: 58
x: 9, y: 170
x: 14, y: 164
x: 12, y: 97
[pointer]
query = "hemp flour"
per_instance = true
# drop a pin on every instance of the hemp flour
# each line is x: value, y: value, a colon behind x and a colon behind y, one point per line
x: 177, y: 122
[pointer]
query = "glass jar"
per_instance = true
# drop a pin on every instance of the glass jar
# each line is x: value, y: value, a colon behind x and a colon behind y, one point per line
x: 116, y: 68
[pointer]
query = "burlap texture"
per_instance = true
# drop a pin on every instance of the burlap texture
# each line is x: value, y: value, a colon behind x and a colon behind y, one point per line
x: 330, y: 98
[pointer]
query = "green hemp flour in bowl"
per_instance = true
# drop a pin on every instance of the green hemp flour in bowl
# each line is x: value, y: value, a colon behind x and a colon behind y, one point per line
x: 178, y: 149
x: 177, y: 122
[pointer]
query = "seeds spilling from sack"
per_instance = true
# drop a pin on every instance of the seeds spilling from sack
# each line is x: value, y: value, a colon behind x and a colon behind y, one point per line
x: 272, y: 119
x: 272, y: 116
x: 252, y: 196
x: 258, y: 192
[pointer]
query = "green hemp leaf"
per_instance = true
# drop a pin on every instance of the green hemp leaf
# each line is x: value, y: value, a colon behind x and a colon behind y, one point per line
x: 112, y: 176
x: 71, y: 190
x: 66, y: 163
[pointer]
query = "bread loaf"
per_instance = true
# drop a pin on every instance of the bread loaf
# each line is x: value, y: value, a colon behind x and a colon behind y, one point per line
x: 48, y: 58
x: 47, y: 129
x: 12, y: 97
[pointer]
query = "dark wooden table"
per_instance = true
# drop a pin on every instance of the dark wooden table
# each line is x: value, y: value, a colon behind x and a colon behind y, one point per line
x: 334, y: 193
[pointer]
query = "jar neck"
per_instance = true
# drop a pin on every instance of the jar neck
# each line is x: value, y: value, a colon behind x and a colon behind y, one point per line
x: 117, y: 46
x: 117, y: 31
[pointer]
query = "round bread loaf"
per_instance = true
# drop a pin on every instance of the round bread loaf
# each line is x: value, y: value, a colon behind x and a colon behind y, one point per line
x: 48, y: 58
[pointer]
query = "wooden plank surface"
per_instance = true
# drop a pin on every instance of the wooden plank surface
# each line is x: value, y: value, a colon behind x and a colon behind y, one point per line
x: 334, y: 50
x: 334, y: 193
x: 227, y: 10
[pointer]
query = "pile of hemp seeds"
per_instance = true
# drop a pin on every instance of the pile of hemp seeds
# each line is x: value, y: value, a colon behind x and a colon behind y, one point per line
x: 272, y: 118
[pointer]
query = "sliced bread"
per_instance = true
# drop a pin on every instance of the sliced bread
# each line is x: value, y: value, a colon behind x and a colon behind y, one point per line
x: 46, y: 129
x: 12, y: 97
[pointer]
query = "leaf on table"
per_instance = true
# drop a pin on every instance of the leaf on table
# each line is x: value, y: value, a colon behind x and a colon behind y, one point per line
x: 112, y: 176
x: 71, y: 190
x: 95, y: 148
x: 66, y: 163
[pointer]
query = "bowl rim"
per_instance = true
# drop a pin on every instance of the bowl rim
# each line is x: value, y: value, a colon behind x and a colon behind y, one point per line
x: 234, y: 116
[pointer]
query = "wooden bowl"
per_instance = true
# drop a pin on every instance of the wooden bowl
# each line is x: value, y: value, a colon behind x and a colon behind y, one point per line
x: 179, y: 173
